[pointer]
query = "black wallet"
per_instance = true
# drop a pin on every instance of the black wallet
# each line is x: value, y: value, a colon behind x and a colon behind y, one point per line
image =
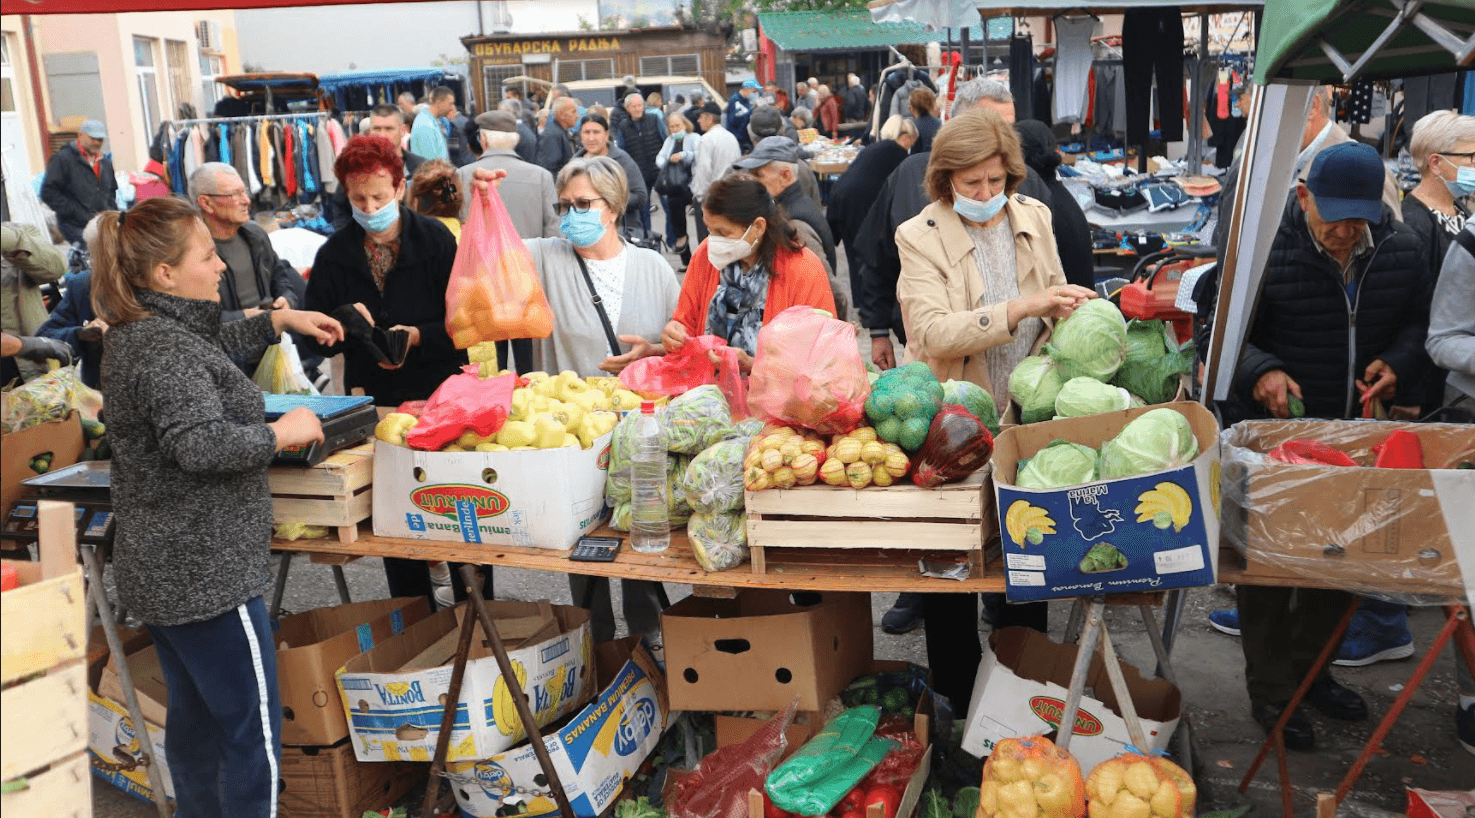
x: 387, y: 346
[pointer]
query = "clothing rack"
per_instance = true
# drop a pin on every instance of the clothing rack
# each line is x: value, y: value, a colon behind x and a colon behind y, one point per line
x: 219, y: 120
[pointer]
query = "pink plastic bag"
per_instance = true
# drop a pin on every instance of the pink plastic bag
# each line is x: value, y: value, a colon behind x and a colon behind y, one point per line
x: 685, y: 369
x: 1310, y: 453
x: 494, y: 293
x: 463, y: 403
x: 808, y: 372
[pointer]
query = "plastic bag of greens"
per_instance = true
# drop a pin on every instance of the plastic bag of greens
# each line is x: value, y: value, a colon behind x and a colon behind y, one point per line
x: 678, y: 510
x: 815, y: 778
x: 1154, y: 361
x: 718, y: 541
x: 713, y: 483
x: 1156, y: 440
x: 621, y: 456
x: 1058, y: 465
x: 1088, y: 396
x: 696, y: 420
x: 1091, y: 342
x: 51, y: 397
x: 1034, y: 384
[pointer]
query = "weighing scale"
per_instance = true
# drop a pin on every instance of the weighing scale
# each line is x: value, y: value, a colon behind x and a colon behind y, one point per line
x: 346, y: 421
x: 85, y: 485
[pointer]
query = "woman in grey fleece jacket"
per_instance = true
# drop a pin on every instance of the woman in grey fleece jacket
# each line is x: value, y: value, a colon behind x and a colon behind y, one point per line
x: 190, y: 451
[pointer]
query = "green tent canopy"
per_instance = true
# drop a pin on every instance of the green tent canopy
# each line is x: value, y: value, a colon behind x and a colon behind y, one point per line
x: 1339, y: 40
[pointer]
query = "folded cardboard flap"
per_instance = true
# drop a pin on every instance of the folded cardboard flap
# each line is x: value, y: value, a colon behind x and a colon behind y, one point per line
x: 148, y: 683
x: 1022, y: 442
x: 1033, y: 656
x: 63, y: 438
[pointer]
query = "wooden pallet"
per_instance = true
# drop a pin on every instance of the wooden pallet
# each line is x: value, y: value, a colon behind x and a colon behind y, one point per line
x: 337, y: 493
x: 899, y: 521
x: 43, y: 719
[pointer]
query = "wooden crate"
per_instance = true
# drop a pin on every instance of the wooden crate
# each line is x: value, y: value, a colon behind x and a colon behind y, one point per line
x: 43, y: 708
x: 337, y: 492
x: 328, y: 782
x: 956, y: 518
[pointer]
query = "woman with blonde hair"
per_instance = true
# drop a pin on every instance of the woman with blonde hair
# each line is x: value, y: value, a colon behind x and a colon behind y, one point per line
x: 980, y: 287
x: 191, y: 447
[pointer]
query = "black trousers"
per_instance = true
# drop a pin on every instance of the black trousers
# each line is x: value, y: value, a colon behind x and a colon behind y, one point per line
x: 1281, y: 632
x: 412, y: 578
x: 954, y: 647
x: 1152, y: 46
x: 522, y: 350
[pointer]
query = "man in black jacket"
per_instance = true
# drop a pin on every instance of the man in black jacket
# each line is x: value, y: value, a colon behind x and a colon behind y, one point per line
x: 80, y: 181
x: 774, y: 161
x: 255, y: 278
x: 1341, y: 320
x: 641, y: 133
x: 555, y: 146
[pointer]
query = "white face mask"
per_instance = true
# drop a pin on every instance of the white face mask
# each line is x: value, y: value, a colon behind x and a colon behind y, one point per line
x: 723, y: 251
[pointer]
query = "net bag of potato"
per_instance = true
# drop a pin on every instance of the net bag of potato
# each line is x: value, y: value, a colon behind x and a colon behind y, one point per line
x: 1030, y: 777
x: 1141, y: 786
x: 494, y: 293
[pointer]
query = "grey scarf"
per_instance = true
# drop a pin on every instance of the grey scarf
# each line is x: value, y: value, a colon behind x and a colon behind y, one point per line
x: 736, y: 312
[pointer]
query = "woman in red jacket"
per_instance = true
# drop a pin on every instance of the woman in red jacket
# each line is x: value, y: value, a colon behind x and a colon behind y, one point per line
x: 751, y: 268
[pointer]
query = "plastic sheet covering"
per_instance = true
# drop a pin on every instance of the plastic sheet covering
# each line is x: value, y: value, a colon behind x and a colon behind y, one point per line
x: 1398, y: 534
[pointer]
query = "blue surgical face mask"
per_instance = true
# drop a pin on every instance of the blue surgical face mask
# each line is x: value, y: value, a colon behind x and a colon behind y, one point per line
x: 1463, y: 184
x: 976, y: 211
x: 378, y: 221
x: 583, y: 229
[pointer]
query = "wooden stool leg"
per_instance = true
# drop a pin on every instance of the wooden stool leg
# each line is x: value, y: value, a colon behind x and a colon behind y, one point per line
x: 1085, y: 649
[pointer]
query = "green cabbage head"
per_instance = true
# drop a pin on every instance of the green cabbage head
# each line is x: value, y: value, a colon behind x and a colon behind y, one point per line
x: 1034, y: 385
x: 1088, y: 396
x: 1154, y: 361
x: 1091, y: 342
x: 1058, y: 465
x: 1157, y: 440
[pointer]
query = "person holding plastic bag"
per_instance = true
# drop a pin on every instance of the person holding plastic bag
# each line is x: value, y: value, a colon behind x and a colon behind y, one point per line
x: 750, y: 268
x: 609, y: 299
x: 980, y: 285
x: 194, y: 512
x: 391, y: 265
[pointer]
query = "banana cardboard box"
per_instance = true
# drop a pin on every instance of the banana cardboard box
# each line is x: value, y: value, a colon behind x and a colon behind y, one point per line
x: 595, y: 751
x: 394, y: 713
x: 113, y: 749
x: 545, y: 498
x: 1143, y: 533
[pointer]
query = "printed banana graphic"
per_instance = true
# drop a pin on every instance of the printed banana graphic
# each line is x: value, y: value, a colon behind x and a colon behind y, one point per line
x: 1166, y: 504
x: 555, y: 694
x: 503, y: 708
x: 1027, y: 523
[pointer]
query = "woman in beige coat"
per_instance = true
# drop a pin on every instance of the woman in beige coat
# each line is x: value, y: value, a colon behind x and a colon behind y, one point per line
x: 980, y: 286
x: 981, y: 281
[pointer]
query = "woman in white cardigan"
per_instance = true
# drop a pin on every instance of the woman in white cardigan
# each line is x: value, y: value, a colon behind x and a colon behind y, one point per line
x: 638, y: 290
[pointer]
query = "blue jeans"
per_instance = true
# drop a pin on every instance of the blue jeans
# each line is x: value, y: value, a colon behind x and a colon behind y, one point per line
x: 223, y: 737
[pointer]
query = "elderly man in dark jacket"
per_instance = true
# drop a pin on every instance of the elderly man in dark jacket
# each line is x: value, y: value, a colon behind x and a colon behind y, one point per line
x: 1072, y: 232
x: 1340, y: 321
x: 80, y: 181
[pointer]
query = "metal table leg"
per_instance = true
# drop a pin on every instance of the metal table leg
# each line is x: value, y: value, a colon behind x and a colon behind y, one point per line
x: 1165, y: 670
x: 281, y: 584
x: 341, y: 581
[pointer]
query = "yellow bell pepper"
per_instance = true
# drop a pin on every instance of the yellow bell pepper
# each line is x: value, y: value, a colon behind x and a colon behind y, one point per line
x: 569, y: 384
x: 590, y: 400
x: 625, y: 400
x: 517, y: 433
x: 483, y: 352
x: 607, y: 385
x: 490, y: 447
x: 1138, y: 786
x: 521, y: 400
x: 393, y: 426
x: 568, y: 413
x: 548, y: 433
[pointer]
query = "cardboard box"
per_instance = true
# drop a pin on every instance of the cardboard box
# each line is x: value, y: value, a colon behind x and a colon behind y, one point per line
x: 541, y: 499
x: 111, y: 739
x: 63, y: 438
x: 328, y: 782
x: 1390, y: 529
x: 595, y: 752
x: 762, y: 649
x: 1103, y: 513
x: 1021, y: 690
x: 148, y: 683
x: 311, y: 646
x: 395, y: 714
x: 737, y: 729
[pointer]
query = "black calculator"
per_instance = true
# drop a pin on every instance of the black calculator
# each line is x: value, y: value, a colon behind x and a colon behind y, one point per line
x: 595, y: 549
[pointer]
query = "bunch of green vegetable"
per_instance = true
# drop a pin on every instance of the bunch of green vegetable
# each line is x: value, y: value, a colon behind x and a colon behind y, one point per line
x: 713, y: 483
x: 638, y: 808
x: 1088, y: 396
x: 902, y: 404
x: 696, y: 419
x: 718, y: 541
x: 1058, y: 465
x: 1154, y: 361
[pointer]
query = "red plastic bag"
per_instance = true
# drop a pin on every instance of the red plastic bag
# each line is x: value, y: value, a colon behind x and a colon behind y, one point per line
x: 808, y: 372
x: 1402, y: 450
x: 718, y: 787
x: 463, y: 403
x: 1310, y: 453
x: 684, y: 369
x: 494, y: 293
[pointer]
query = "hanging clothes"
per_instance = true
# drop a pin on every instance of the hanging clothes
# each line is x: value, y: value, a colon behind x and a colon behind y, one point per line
x: 265, y: 159
x: 338, y: 138
x: 225, y: 146
x: 325, y: 157
x: 252, y: 167
x: 289, y: 160
x: 1073, y: 57
x: 1022, y: 76
x: 1152, y: 48
x: 1360, y: 104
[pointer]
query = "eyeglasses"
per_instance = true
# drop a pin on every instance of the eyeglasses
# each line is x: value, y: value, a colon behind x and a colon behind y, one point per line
x: 1468, y: 156
x: 231, y: 195
x: 563, y: 206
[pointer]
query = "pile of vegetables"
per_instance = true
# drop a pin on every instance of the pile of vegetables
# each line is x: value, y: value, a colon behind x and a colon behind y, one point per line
x: 1031, y: 778
x: 782, y: 458
x: 860, y: 459
x: 1097, y: 361
x: 713, y: 486
x: 1157, y: 440
x: 95, y: 444
x: 1059, y: 464
x: 958, y: 444
x: 1140, y: 786
x: 902, y: 404
x: 825, y: 770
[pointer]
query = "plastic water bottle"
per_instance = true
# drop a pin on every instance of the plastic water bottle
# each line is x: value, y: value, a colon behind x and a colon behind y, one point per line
x: 650, y: 527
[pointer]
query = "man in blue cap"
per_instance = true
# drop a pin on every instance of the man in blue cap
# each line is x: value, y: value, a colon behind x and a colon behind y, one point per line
x: 740, y: 109
x: 1340, y: 322
x: 80, y: 181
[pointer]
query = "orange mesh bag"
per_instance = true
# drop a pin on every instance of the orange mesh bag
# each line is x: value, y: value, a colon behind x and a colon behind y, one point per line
x: 1138, y: 785
x: 494, y: 294
x: 1029, y: 777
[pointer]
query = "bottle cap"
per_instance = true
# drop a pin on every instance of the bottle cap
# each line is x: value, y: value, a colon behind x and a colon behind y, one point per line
x: 647, y: 407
